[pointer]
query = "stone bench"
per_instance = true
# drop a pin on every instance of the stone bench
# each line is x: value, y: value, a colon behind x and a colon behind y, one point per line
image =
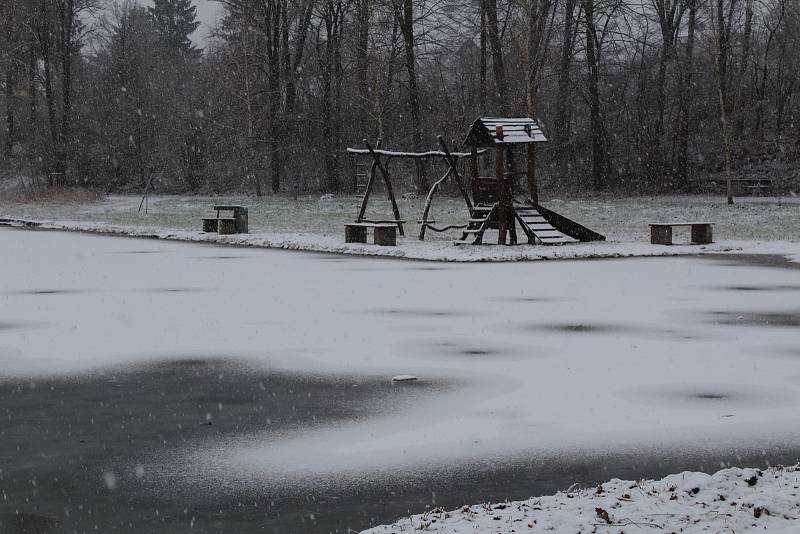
x: 661, y: 233
x: 382, y: 233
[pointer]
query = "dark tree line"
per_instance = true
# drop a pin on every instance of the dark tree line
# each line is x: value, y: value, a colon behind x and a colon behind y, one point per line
x: 650, y: 94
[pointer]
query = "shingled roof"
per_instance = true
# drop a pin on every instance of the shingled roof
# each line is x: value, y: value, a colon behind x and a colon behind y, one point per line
x: 483, y: 132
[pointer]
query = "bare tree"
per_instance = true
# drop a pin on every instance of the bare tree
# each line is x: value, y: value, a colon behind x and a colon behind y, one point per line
x: 723, y: 12
x: 404, y: 11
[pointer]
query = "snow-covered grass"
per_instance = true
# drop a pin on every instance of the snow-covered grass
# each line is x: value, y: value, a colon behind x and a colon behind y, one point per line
x: 315, y: 223
x: 619, y: 219
x: 729, y: 501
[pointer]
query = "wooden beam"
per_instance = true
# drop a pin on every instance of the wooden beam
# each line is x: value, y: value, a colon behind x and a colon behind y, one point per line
x: 429, y: 154
x: 533, y: 187
x: 388, y: 183
x: 362, y: 210
x: 453, y: 162
x: 502, y: 215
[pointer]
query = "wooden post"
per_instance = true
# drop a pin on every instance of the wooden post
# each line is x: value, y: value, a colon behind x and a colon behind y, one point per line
x: 226, y: 226
x: 385, y: 235
x: 428, y: 200
x: 453, y: 163
x: 355, y: 234
x: 370, y: 182
x: 388, y: 183
x: 473, y: 159
x: 702, y: 234
x: 532, y: 185
x: 500, y: 172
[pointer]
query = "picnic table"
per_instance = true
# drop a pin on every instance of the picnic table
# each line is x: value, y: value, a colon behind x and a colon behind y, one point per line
x: 235, y: 224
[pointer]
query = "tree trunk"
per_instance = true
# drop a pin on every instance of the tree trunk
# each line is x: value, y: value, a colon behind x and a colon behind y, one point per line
x: 762, y: 83
x: 600, y: 163
x: 723, y: 27
x: 686, y: 109
x: 381, y: 101
x: 746, y: 46
x: 563, y: 105
x: 47, y: 66
x: 273, y: 19
x: 10, y: 133
x: 67, y: 21
x: 331, y: 184
x: 482, y: 65
x: 301, y: 33
x: 250, y: 145
x: 362, y: 49
x: 405, y: 15
x: 32, y: 68
x: 666, y: 20
x: 538, y: 13
x: 498, y: 65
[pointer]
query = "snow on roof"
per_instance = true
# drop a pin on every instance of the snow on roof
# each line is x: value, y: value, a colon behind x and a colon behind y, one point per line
x: 483, y: 131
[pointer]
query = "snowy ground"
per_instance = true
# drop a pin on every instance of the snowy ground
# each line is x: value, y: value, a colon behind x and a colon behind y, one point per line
x: 731, y: 500
x: 752, y: 225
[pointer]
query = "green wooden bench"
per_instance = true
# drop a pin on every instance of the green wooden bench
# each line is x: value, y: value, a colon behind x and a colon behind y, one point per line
x: 236, y: 224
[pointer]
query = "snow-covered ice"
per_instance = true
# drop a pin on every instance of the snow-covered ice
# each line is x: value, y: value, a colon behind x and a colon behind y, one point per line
x: 731, y: 500
x: 529, y: 358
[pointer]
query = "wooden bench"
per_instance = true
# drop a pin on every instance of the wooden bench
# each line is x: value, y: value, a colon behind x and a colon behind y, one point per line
x: 661, y: 233
x: 382, y: 233
x: 236, y: 224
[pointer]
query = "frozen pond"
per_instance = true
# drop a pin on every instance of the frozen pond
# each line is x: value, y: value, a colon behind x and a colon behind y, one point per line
x: 201, y: 387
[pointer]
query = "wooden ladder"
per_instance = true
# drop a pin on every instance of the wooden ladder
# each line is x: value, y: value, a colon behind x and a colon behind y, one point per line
x: 480, y: 219
x: 360, y: 176
x: 538, y: 229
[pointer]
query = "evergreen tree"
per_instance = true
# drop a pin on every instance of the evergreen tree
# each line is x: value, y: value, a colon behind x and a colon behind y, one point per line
x: 175, y: 21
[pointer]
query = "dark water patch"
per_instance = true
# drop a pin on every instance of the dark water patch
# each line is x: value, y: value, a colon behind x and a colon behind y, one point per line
x: 222, y: 257
x: 755, y: 260
x: 584, y: 328
x: 750, y: 318
x: 406, y: 266
x: 345, y: 508
x: 477, y: 352
x: 7, y: 326
x: 711, y: 396
x: 22, y: 523
x: 177, y: 290
x: 733, y: 397
x: 40, y: 292
x: 526, y: 299
x: 429, y: 313
x: 135, y: 252
x: 468, y: 349
x: 759, y: 288
x: 72, y: 435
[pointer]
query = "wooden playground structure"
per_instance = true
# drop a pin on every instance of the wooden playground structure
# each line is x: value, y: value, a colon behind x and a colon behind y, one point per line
x: 494, y: 202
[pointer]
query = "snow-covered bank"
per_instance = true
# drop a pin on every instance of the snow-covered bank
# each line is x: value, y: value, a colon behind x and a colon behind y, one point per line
x: 411, y: 248
x: 731, y: 500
